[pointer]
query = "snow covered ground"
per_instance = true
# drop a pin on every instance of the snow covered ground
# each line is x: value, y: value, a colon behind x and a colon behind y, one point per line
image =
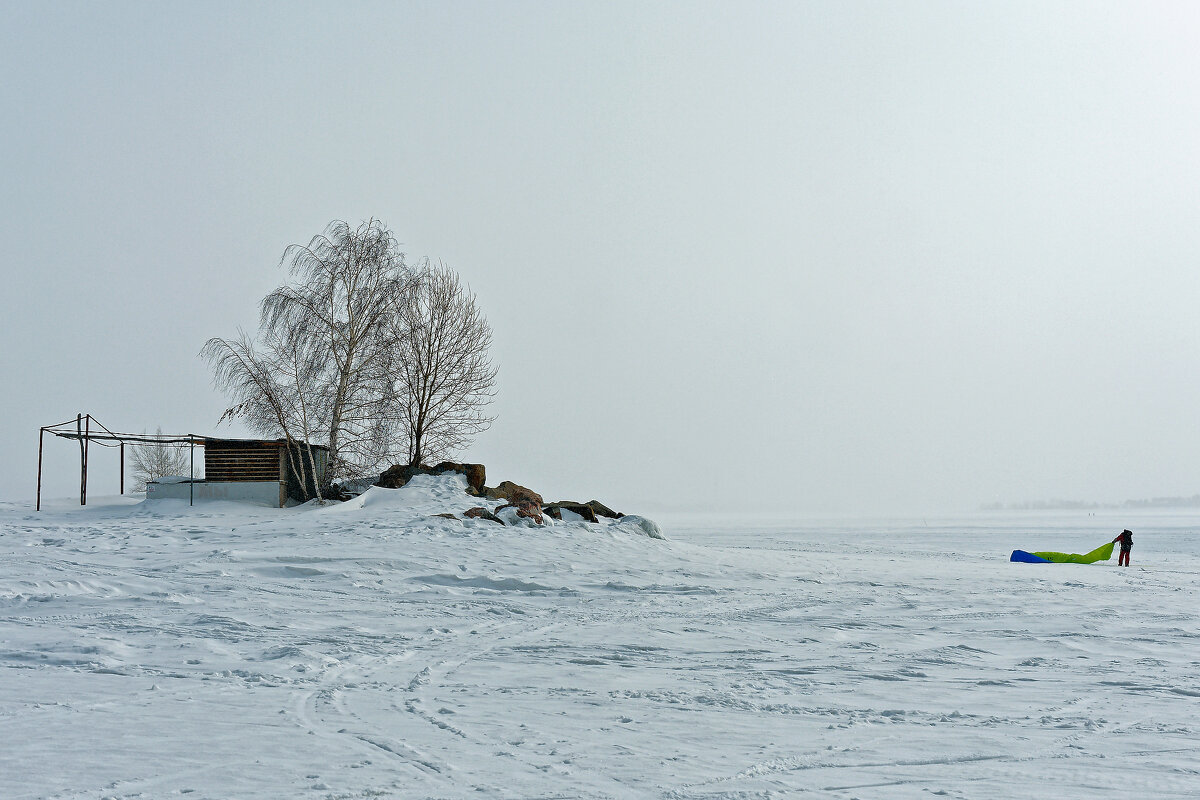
x: 369, y: 650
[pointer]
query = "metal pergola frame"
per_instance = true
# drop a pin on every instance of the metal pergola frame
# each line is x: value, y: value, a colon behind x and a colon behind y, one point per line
x: 80, y: 429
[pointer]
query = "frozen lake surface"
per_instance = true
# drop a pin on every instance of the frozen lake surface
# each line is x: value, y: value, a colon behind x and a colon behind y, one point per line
x: 369, y: 650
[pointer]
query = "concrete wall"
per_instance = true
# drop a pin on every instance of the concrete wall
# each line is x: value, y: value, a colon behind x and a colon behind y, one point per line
x: 263, y: 493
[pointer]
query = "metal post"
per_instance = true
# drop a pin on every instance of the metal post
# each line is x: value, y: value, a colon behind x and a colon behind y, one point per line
x: 41, y: 436
x: 87, y: 433
x: 82, y: 457
x: 122, y: 468
x: 192, y: 476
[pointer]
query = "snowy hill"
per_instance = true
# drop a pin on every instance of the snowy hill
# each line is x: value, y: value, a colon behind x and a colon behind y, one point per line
x: 370, y: 649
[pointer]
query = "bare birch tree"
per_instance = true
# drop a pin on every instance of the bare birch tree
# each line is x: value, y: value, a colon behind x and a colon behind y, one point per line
x: 442, y: 376
x: 153, y: 460
x: 363, y: 354
x: 346, y: 284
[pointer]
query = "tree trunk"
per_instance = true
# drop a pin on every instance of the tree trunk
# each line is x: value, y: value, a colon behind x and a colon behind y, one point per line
x: 316, y: 482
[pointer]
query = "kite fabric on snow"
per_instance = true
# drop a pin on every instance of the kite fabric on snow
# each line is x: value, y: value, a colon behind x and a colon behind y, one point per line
x: 1101, y: 553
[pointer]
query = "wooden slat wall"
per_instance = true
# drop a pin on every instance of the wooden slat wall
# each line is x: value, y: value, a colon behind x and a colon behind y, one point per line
x: 242, y: 461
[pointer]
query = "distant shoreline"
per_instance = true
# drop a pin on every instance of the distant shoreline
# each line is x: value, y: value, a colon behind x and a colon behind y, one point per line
x: 1079, y: 505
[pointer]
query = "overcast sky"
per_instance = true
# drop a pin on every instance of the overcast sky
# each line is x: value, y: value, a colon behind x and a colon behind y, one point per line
x: 860, y: 257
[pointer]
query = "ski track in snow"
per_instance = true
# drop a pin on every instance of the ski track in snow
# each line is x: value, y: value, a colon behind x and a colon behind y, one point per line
x: 371, y: 650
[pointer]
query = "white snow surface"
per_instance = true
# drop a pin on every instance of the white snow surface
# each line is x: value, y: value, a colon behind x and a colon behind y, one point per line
x: 149, y: 649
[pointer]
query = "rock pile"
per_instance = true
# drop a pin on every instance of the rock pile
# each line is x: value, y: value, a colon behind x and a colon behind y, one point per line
x: 528, y: 503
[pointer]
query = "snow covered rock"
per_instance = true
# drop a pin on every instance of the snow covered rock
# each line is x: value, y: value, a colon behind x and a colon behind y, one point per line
x: 640, y: 525
x: 398, y: 475
x: 513, y: 492
x: 475, y: 474
x: 602, y: 510
x: 527, y: 502
x: 479, y: 512
x: 511, y: 515
x: 560, y: 509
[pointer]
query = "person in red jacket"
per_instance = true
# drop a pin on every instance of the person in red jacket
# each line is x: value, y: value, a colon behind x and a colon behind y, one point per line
x: 1125, y: 537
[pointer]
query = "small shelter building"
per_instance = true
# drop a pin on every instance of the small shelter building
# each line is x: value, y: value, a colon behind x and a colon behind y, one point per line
x: 257, y: 471
x: 264, y: 471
